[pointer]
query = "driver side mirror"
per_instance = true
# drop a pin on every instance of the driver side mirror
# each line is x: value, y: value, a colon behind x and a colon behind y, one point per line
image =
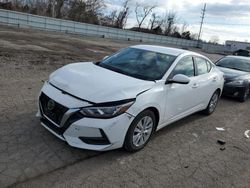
x: 179, y: 79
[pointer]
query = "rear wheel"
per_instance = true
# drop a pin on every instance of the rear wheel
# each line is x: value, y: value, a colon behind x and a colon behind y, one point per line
x: 140, y: 131
x: 212, y: 103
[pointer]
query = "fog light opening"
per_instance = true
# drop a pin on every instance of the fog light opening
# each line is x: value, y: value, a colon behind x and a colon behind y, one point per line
x: 96, y: 140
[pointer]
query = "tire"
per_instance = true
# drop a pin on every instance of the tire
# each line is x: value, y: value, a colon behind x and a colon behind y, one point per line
x: 244, y: 95
x: 138, y: 136
x: 212, y: 103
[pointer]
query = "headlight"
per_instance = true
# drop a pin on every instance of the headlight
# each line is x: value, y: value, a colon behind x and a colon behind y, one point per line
x: 107, y: 110
x: 236, y: 82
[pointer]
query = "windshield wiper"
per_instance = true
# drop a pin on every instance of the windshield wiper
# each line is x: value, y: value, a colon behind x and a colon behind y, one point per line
x: 124, y: 72
x: 113, y: 69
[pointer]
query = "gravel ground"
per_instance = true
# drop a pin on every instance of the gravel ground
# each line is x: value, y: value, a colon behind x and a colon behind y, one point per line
x: 184, y: 154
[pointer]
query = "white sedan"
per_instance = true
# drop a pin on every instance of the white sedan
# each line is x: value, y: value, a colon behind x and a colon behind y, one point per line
x: 122, y: 100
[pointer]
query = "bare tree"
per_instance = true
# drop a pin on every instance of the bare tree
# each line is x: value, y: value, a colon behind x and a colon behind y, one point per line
x: 141, y: 12
x: 184, y: 27
x: 16, y: 5
x: 51, y: 8
x: 170, y: 21
x: 152, y: 21
x: 58, y: 8
x: 112, y: 18
x: 95, y: 6
x: 123, y: 15
x: 156, y: 21
x: 186, y: 35
x: 85, y: 10
x: 77, y: 10
x: 40, y: 7
x: 117, y: 18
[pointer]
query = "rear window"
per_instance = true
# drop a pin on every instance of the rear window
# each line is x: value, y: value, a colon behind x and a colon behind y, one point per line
x: 201, y: 64
x: 185, y: 66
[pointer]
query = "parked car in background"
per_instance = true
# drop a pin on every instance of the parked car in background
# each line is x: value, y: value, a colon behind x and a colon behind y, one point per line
x: 237, y: 76
x: 123, y: 99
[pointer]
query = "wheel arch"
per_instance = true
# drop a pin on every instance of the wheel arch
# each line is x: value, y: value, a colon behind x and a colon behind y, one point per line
x: 219, y: 90
x: 156, y: 113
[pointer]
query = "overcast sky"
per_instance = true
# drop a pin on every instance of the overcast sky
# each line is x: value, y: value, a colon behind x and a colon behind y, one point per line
x: 227, y: 19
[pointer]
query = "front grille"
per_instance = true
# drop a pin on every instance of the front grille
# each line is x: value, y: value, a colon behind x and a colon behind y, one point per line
x: 51, y: 126
x: 73, y: 118
x: 53, y: 110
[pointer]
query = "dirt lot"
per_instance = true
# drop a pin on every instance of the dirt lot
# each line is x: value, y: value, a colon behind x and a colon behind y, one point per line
x: 184, y: 154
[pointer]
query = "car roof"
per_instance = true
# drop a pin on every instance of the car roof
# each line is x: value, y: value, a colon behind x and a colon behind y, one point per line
x: 162, y: 49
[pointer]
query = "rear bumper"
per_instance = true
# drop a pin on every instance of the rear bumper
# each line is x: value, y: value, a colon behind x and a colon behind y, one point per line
x: 86, y: 133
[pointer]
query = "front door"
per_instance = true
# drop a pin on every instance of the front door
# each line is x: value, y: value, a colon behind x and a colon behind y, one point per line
x: 182, y: 98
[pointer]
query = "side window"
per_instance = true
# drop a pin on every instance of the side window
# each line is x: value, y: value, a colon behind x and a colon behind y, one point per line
x: 184, y: 66
x: 201, y: 66
x: 209, y: 66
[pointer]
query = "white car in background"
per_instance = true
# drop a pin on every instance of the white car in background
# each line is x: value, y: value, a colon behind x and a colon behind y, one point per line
x: 122, y: 100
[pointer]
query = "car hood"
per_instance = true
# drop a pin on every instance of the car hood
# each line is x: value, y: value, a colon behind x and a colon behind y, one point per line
x: 96, y: 84
x: 231, y: 74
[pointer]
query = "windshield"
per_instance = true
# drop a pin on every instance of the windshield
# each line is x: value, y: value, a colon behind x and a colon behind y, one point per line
x: 139, y: 63
x: 235, y: 63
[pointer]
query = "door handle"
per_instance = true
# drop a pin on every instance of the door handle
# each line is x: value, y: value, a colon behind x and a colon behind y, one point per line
x: 214, y: 79
x: 195, y: 85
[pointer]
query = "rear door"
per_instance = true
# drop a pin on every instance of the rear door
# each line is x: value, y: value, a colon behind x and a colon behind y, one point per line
x: 205, y: 80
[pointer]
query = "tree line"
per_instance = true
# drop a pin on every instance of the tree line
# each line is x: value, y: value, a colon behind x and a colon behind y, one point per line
x: 96, y: 12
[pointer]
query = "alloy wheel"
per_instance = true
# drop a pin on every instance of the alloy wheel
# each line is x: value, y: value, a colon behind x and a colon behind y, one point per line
x: 246, y: 93
x: 213, y: 102
x: 142, y: 131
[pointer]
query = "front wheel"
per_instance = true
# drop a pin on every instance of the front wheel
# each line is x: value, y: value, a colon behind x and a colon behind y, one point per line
x: 212, y: 103
x: 243, y: 97
x: 140, y: 131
